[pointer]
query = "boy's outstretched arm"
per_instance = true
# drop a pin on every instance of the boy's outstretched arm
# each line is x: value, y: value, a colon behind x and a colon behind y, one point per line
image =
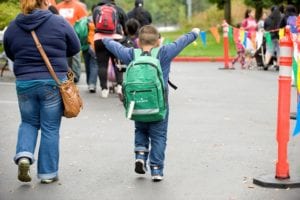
x: 122, y: 53
x: 177, y: 46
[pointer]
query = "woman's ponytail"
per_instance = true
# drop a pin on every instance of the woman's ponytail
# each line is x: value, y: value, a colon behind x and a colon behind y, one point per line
x: 27, y: 6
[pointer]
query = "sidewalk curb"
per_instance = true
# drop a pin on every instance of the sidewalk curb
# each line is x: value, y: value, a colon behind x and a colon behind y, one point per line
x: 199, y: 59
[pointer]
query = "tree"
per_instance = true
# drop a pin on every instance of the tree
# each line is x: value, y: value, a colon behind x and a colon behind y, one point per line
x: 226, y: 5
x: 8, y: 11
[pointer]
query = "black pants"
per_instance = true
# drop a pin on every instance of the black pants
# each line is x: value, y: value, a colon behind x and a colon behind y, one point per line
x: 103, y: 56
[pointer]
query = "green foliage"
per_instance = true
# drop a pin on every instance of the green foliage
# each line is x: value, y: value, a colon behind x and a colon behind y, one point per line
x: 11, y: 1
x: 220, y: 3
x: 164, y: 12
x: 204, y: 20
x: 196, y: 49
x: 8, y: 11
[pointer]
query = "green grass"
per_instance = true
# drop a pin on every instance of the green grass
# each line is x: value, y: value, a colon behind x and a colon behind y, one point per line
x: 212, y: 49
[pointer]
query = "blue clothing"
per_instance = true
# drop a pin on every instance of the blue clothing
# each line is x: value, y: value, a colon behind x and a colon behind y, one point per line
x: 58, y: 38
x: 39, y: 99
x: 151, y: 137
x: 41, y: 109
x: 91, y: 67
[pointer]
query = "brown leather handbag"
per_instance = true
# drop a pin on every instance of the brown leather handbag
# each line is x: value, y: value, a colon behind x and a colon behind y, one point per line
x: 68, y: 90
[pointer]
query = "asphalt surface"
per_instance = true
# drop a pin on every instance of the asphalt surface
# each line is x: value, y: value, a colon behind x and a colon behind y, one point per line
x: 222, y: 133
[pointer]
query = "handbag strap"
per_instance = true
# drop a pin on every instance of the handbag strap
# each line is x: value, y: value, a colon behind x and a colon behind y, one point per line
x: 45, y: 57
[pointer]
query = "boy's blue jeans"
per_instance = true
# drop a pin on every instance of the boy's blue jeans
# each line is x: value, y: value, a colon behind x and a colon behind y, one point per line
x: 41, y: 109
x: 152, y: 137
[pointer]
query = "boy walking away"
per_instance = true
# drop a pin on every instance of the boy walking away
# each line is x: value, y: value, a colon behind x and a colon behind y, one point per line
x: 150, y: 135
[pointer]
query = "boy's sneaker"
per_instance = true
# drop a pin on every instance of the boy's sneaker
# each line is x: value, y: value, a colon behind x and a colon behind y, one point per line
x: 140, y: 167
x: 24, y: 170
x: 49, y: 180
x: 140, y: 162
x: 105, y: 93
x: 156, y: 174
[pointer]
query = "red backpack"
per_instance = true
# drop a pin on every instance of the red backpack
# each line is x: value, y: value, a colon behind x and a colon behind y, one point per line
x: 105, y: 19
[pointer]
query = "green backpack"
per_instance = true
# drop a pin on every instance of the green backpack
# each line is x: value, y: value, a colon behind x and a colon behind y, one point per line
x: 143, y: 88
x: 82, y: 30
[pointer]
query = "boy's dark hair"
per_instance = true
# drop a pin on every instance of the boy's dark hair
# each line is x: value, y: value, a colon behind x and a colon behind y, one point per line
x: 148, y: 35
x: 132, y: 26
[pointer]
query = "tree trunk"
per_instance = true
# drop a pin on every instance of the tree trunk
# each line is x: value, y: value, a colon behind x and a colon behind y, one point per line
x: 227, y: 11
x: 258, y: 12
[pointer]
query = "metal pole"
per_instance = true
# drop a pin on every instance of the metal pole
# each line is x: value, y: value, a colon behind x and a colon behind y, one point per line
x: 189, y: 10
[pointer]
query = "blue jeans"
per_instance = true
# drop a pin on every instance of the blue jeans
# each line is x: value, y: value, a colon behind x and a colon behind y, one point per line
x: 41, y: 108
x: 91, y: 66
x: 152, y: 137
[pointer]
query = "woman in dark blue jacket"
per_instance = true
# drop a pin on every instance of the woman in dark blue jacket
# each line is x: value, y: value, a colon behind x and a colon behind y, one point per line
x: 39, y: 99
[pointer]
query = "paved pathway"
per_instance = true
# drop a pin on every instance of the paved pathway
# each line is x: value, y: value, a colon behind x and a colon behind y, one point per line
x: 222, y: 134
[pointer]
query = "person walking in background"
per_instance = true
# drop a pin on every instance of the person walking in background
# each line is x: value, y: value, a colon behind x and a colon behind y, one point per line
x: 39, y: 99
x: 85, y: 30
x: 241, y: 54
x: 261, y: 22
x: 151, y: 137
x: 132, y: 29
x: 249, y: 23
x: 290, y: 18
x: 102, y: 54
x: 73, y: 10
x: 140, y: 14
x: 272, y: 24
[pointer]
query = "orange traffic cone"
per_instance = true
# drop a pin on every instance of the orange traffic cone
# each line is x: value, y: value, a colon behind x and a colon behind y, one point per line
x: 282, y: 178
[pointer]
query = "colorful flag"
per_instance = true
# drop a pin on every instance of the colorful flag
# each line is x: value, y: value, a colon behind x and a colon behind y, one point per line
x: 203, y: 37
x: 236, y: 34
x: 297, y: 126
x: 245, y: 38
x: 230, y: 33
x: 268, y: 39
x: 215, y: 33
x: 253, y: 40
x: 281, y: 33
x: 242, y: 35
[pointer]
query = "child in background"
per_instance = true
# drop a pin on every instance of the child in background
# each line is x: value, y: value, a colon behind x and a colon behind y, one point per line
x: 151, y: 137
x: 240, y: 54
x: 132, y: 30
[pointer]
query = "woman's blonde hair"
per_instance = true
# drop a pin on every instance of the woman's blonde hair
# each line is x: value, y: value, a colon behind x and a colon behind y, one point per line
x: 148, y: 35
x: 27, y: 6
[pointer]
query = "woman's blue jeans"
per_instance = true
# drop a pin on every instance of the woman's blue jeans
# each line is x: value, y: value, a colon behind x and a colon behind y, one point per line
x: 41, y: 108
x: 152, y: 137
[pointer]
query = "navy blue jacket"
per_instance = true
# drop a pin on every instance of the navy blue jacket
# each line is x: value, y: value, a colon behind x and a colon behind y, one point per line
x: 56, y: 35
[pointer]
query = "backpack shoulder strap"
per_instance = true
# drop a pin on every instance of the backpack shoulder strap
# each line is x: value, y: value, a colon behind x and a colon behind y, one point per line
x: 137, y: 53
x: 154, y: 52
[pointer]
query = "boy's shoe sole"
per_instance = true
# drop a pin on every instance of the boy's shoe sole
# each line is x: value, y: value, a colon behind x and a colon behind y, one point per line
x: 48, y: 181
x: 139, y: 166
x: 157, y: 178
x: 24, y: 170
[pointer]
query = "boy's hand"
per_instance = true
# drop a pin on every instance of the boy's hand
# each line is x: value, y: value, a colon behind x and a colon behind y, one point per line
x: 196, y: 30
